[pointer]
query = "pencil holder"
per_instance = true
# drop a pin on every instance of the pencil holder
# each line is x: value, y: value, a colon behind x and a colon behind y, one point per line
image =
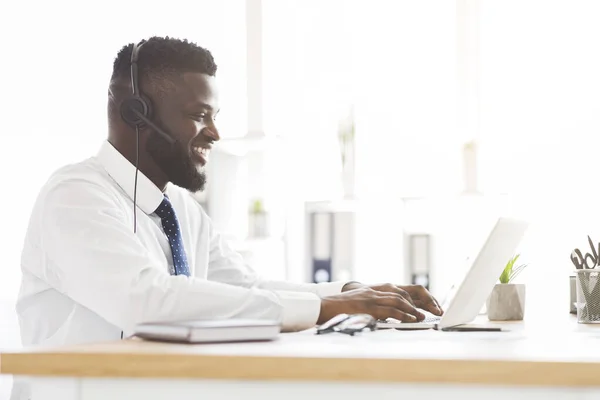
x: 588, y: 296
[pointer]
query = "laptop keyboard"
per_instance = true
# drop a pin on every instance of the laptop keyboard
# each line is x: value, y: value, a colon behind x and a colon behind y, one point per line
x: 428, y: 320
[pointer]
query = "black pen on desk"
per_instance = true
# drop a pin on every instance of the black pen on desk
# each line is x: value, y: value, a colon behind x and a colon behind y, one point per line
x: 472, y: 329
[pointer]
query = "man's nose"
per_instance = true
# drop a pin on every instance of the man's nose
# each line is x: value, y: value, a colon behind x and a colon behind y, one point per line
x: 212, y: 133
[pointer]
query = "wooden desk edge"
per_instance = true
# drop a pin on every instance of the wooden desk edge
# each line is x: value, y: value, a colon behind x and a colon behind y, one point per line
x: 175, y: 366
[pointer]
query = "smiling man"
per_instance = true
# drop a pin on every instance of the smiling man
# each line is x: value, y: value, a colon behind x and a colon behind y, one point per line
x: 118, y: 239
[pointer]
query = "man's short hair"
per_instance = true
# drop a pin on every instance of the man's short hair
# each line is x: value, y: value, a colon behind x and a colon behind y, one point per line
x: 160, y: 61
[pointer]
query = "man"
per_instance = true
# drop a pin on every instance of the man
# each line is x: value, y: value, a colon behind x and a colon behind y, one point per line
x: 110, y: 245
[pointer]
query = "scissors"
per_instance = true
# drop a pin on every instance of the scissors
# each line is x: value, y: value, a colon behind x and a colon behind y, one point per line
x: 582, y: 261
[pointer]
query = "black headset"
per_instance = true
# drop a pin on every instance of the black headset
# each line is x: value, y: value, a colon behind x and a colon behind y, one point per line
x: 136, y: 110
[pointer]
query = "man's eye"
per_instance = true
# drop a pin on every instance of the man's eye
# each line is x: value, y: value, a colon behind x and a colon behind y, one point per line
x: 199, y: 117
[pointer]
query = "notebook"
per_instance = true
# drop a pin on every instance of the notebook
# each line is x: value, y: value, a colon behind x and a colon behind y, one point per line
x: 209, y: 331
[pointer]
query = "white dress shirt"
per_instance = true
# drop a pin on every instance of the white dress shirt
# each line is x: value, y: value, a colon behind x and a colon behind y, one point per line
x: 87, y: 276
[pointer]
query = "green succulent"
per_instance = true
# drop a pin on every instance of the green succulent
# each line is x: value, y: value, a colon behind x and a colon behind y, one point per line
x: 510, y: 272
x: 257, y: 207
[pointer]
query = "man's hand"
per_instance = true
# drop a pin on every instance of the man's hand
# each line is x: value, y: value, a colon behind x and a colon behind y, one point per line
x: 367, y: 300
x: 417, y: 295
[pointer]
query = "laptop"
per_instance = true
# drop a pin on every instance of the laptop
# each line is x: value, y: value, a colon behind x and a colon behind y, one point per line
x: 471, y: 294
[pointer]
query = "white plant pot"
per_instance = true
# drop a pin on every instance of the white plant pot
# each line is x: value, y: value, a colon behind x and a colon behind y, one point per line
x: 258, y: 225
x: 506, y: 302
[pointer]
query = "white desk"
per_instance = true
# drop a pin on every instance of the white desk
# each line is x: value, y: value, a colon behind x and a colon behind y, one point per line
x: 529, y: 361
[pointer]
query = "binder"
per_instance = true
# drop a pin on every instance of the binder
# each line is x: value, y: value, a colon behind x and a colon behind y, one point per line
x: 321, y: 246
x: 419, y: 253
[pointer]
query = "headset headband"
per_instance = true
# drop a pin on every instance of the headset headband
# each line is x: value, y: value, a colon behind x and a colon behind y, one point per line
x: 134, y: 69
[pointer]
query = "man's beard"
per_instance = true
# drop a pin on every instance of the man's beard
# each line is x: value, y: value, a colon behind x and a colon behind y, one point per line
x: 175, y: 161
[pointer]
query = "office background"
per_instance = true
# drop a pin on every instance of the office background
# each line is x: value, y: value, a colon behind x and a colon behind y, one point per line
x: 407, y: 117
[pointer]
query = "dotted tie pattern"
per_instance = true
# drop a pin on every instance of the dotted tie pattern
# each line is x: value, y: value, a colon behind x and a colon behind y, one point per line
x: 170, y: 225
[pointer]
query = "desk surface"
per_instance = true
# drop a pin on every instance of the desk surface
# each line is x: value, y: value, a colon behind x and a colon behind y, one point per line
x: 549, y: 354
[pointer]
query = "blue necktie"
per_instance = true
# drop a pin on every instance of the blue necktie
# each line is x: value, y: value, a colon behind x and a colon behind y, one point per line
x: 170, y: 225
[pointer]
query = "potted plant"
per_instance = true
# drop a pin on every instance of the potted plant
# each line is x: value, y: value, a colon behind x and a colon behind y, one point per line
x: 257, y: 220
x: 507, y: 300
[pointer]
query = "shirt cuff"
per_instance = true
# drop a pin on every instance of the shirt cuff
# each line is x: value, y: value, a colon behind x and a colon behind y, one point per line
x: 325, y: 289
x: 300, y: 310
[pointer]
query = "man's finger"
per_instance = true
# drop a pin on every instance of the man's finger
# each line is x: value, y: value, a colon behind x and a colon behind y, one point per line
x: 438, y: 305
x: 400, y: 303
x: 405, y: 295
x: 430, y: 304
x: 391, y: 312
x: 390, y: 288
x: 426, y: 301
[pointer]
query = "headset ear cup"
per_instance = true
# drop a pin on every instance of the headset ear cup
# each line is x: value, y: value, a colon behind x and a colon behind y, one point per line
x: 139, y: 104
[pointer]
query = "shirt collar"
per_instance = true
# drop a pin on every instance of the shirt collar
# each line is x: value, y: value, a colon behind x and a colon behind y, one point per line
x: 149, y: 196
